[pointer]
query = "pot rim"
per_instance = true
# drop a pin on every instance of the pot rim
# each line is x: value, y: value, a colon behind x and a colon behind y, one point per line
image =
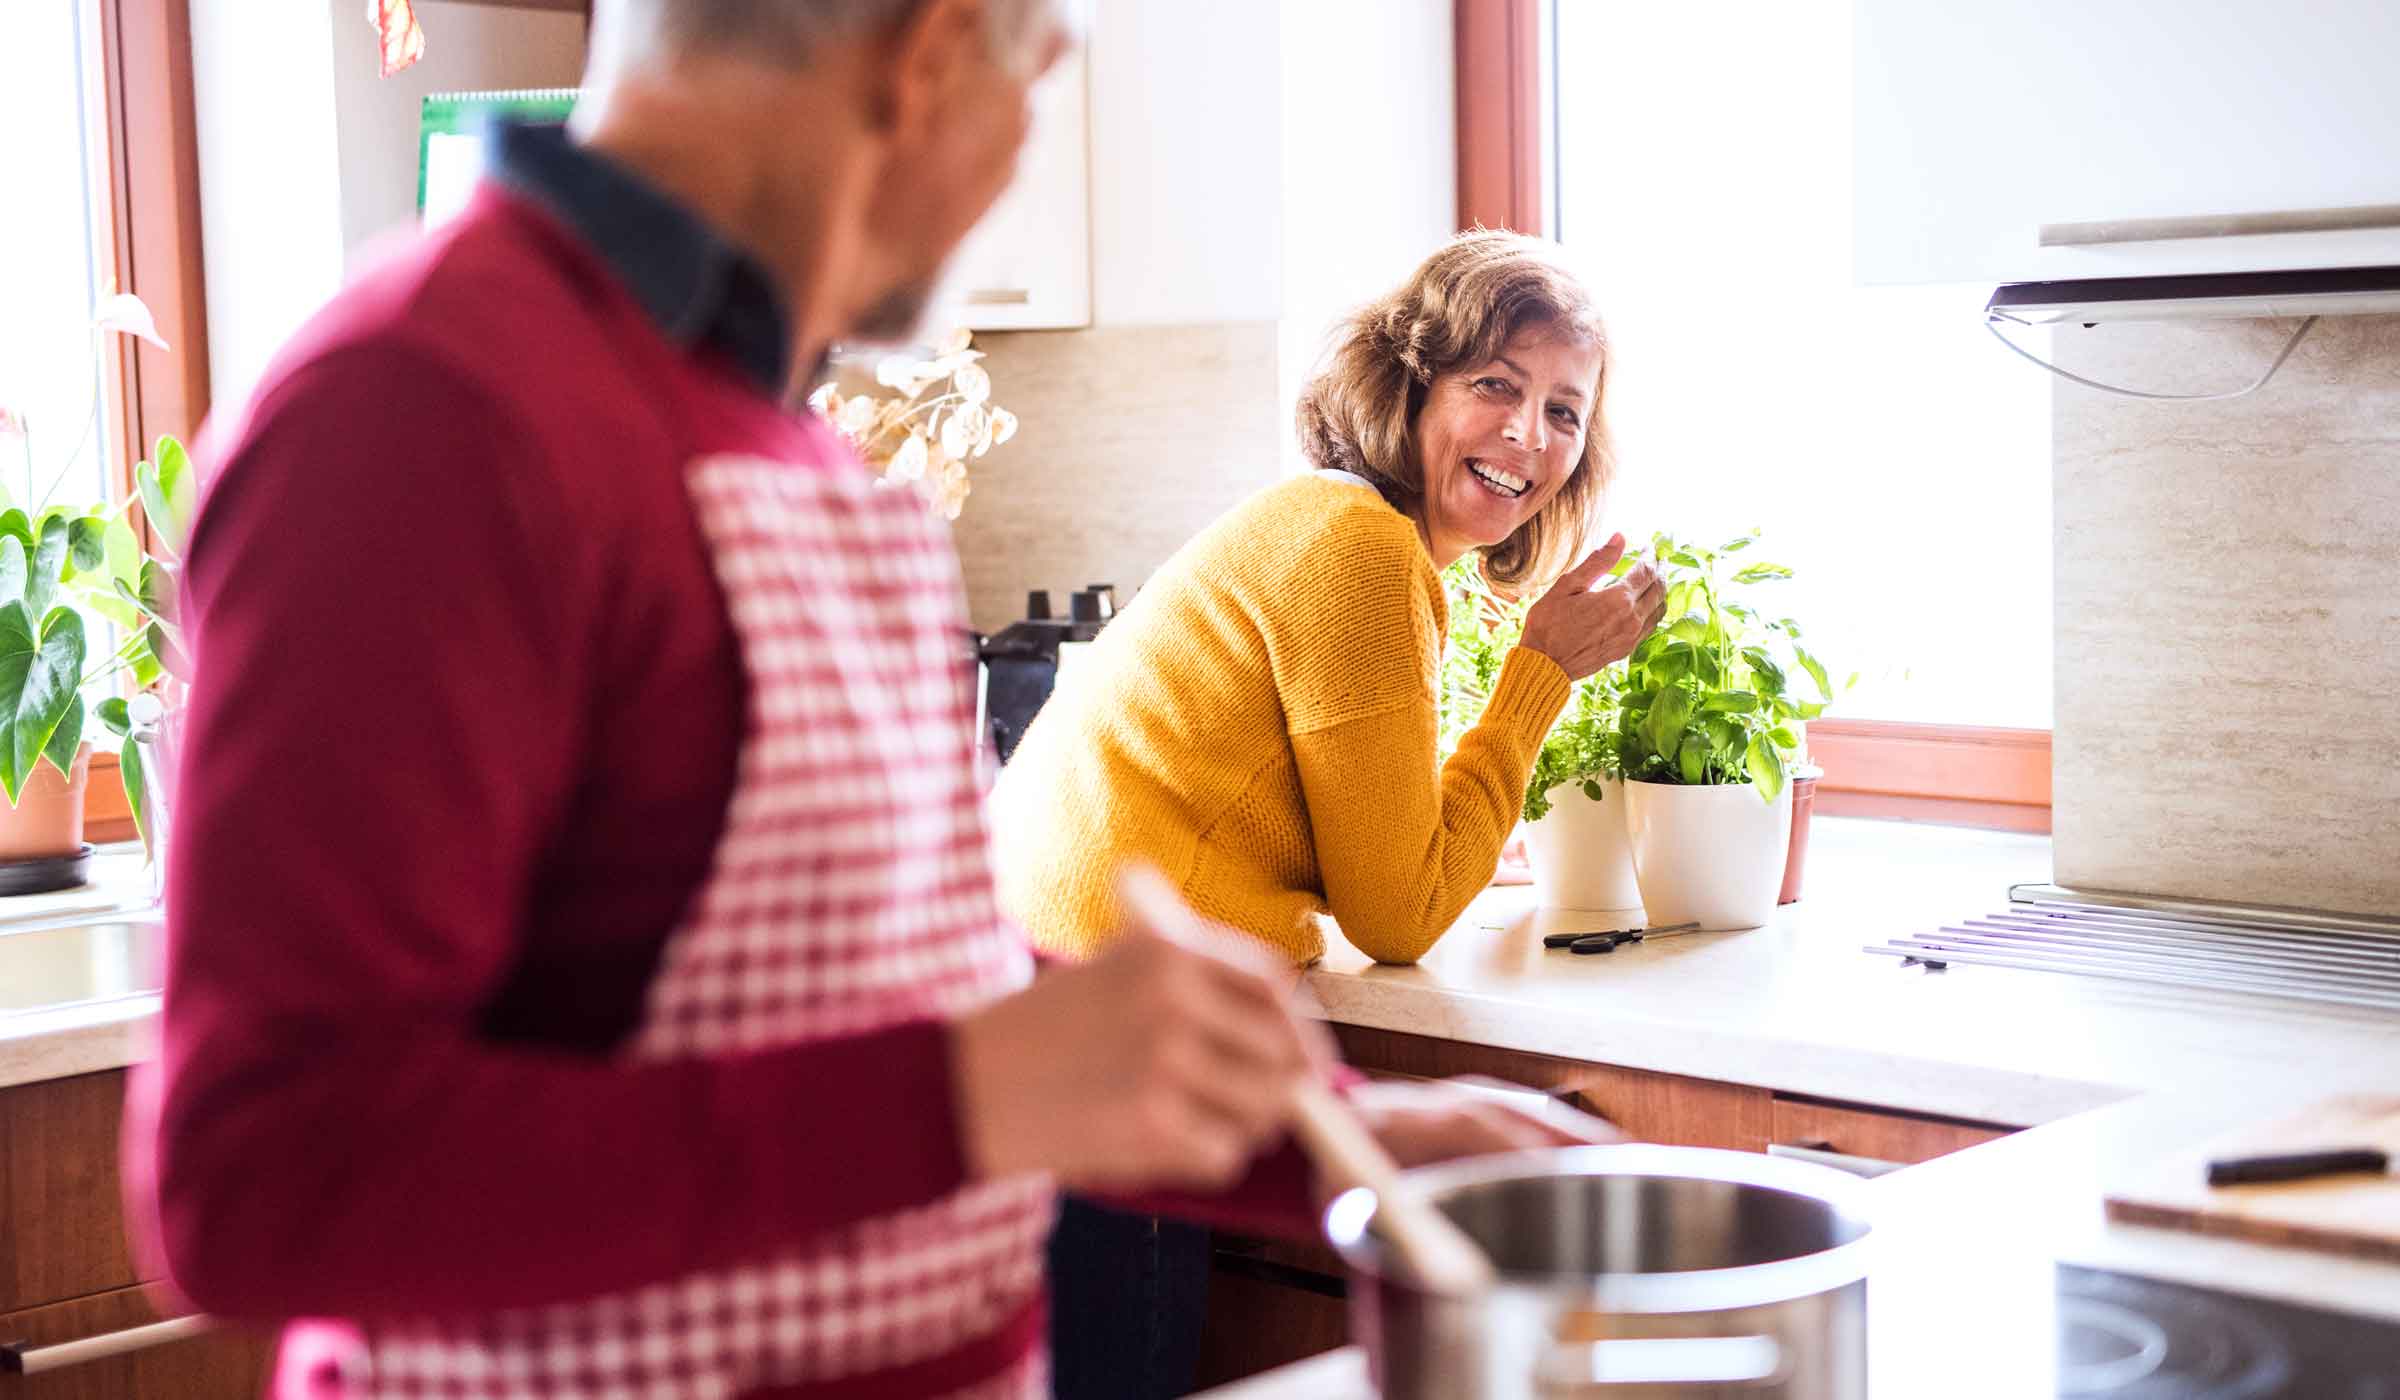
x: 1347, y: 1217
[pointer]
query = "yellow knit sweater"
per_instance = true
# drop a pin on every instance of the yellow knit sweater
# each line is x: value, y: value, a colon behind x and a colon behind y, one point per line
x: 1259, y: 724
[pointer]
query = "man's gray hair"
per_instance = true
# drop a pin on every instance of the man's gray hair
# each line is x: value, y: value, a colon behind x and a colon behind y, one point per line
x: 782, y: 31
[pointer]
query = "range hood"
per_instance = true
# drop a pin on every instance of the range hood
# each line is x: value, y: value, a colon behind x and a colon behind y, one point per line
x: 2330, y: 291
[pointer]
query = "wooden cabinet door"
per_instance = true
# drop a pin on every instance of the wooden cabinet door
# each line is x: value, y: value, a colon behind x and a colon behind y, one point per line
x: 1649, y: 1107
x: 1875, y: 1134
x: 219, y: 1364
x: 62, y: 1232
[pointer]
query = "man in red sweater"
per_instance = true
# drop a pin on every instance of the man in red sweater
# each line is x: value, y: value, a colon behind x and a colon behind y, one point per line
x: 584, y: 976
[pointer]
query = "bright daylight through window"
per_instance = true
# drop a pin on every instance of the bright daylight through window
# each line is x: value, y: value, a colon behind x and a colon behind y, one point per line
x: 1896, y: 458
x: 49, y: 106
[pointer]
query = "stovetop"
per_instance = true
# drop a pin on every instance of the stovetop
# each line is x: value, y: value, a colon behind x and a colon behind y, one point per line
x: 2128, y: 1338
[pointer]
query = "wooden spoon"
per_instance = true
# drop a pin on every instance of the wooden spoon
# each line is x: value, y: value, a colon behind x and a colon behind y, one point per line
x: 1343, y: 1151
x: 1440, y: 1254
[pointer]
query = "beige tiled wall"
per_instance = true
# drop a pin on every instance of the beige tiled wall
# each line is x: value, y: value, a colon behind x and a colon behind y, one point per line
x: 2228, y: 629
x: 1132, y: 438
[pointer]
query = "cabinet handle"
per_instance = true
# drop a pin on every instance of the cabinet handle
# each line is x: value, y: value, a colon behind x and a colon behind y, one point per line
x: 1000, y: 296
x: 2103, y: 232
x: 16, y: 1358
x: 1823, y: 1155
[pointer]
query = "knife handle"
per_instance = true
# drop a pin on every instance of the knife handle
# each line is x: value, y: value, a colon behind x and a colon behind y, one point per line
x: 2296, y: 1166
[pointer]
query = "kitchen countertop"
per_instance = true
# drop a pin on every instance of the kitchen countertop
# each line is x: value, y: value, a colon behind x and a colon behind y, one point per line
x: 1799, y: 1006
x: 1962, y: 1288
x: 1960, y: 1296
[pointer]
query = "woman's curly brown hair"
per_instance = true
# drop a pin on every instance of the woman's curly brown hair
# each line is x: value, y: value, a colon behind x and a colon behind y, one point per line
x: 1457, y: 311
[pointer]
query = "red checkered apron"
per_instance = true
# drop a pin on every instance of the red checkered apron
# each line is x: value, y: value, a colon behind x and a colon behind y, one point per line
x: 850, y: 892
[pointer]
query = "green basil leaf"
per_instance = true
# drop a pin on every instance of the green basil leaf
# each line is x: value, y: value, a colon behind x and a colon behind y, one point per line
x: 1692, y: 758
x: 1816, y: 672
x: 1736, y: 546
x: 1735, y: 702
x: 1766, y: 767
x: 1761, y: 572
x: 1770, y: 675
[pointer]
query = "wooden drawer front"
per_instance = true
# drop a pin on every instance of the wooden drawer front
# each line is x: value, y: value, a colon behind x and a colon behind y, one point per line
x: 215, y: 1365
x: 62, y: 1232
x: 1649, y: 1107
x: 1874, y: 1133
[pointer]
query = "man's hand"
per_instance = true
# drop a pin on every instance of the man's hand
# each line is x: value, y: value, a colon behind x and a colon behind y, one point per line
x: 1419, y: 1123
x: 1167, y: 1061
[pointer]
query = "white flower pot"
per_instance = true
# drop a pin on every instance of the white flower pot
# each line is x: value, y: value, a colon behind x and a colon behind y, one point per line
x: 1714, y: 854
x: 1579, y: 853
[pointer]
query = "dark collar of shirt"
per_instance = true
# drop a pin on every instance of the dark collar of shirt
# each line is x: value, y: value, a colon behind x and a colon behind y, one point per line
x: 700, y: 289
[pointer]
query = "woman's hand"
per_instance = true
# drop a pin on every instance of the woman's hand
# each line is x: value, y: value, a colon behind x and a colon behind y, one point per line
x: 1432, y: 1122
x: 1584, y: 628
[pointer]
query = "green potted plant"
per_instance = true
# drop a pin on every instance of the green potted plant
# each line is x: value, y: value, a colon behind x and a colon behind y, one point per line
x: 1574, y: 812
x: 1706, y: 739
x: 68, y: 573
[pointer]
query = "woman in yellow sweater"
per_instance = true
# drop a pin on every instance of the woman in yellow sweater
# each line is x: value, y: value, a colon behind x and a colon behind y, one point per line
x: 1260, y: 722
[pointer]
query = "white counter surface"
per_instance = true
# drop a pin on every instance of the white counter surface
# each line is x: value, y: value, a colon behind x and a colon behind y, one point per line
x: 1799, y: 1006
x: 1961, y: 1298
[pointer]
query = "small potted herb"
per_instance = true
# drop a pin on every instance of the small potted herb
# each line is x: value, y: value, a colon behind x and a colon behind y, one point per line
x: 1574, y: 810
x: 1706, y: 741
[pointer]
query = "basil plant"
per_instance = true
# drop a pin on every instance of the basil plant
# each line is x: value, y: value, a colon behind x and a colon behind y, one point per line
x: 1707, y: 698
x: 1704, y: 699
x: 65, y: 570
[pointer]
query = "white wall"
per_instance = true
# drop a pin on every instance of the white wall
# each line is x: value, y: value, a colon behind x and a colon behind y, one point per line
x: 468, y: 48
x: 1186, y: 130
x: 270, y: 187
x: 302, y: 172
x: 1370, y: 162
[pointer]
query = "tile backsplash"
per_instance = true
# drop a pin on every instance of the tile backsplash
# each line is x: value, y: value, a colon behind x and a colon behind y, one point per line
x: 2228, y: 616
x: 1131, y: 439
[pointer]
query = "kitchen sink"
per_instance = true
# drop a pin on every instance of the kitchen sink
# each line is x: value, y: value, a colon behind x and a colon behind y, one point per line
x: 113, y: 957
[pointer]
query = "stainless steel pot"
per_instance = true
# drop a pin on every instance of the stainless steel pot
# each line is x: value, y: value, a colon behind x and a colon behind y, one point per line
x: 1628, y: 1271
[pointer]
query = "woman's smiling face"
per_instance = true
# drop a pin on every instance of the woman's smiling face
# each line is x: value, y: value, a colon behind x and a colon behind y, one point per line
x: 1497, y: 440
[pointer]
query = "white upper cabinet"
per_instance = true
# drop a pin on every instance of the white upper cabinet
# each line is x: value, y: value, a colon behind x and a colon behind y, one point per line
x: 1028, y: 264
x: 1993, y: 136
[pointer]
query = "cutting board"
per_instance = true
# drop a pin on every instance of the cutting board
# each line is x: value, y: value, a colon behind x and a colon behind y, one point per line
x: 2353, y: 1213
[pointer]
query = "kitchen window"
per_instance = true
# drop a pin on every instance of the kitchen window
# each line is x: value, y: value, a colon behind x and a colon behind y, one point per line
x: 52, y: 250
x: 1700, y: 172
x: 99, y: 161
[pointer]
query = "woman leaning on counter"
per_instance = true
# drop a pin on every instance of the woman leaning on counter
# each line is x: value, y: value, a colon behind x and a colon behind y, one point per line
x: 1260, y: 722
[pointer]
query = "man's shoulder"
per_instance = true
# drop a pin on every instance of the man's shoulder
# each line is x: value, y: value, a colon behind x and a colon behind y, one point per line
x: 489, y: 304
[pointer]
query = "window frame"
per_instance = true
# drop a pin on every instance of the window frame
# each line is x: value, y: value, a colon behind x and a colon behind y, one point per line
x: 150, y: 140
x: 1960, y: 775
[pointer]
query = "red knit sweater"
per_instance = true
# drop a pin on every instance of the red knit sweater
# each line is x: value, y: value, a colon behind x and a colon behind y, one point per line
x: 458, y: 752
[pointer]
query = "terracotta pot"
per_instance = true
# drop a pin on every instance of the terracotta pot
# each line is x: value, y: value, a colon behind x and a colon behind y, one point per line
x: 48, y: 818
x: 1804, y: 796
